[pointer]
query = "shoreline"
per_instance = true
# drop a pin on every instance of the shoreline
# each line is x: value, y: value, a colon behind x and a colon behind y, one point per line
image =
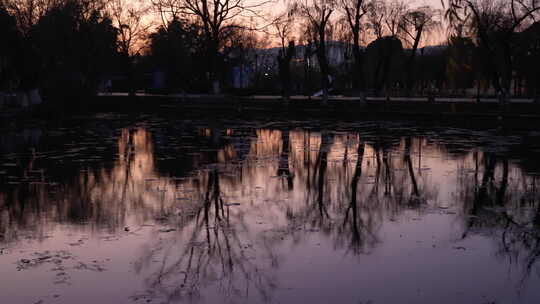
x: 517, y: 114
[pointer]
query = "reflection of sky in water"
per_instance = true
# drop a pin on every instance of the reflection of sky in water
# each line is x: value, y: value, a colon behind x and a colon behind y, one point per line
x: 272, y: 215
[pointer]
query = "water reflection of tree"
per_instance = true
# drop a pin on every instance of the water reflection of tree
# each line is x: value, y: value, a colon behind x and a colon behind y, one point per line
x: 284, y: 169
x: 353, y: 224
x: 342, y: 200
x: 213, y: 253
x: 351, y: 220
x: 215, y: 249
x: 415, y: 197
x: 33, y: 201
x: 343, y: 184
x: 93, y: 185
x: 94, y: 177
x: 501, y: 202
x: 320, y: 169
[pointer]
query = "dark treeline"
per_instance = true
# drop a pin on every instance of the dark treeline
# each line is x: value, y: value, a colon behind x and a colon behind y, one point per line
x: 62, y: 48
x: 73, y: 49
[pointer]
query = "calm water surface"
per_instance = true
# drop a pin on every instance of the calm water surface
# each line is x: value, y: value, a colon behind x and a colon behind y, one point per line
x: 119, y: 209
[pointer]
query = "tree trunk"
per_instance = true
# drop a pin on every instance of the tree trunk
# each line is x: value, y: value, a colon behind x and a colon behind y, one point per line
x: 130, y: 76
x: 323, y: 64
x: 386, y: 72
x: 356, y: 220
x: 410, y: 63
x: 415, y: 192
x: 322, y: 164
x: 358, y: 74
x: 284, y: 65
x: 213, y: 53
x: 507, y: 78
x: 283, y: 169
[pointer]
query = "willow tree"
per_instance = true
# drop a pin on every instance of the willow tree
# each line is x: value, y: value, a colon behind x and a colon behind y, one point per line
x: 493, y: 25
x: 415, y: 24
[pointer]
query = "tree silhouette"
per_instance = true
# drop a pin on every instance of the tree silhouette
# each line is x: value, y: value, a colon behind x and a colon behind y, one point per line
x: 9, y: 50
x: 317, y: 14
x: 354, y: 13
x: 177, y: 48
x: 78, y: 44
x: 128, y: 18
x: 217, y: 19
x: 494, y: 25
x: 284, y: 65
x: 415, y: 24
x: 283, y: 25
x: 384, y: 55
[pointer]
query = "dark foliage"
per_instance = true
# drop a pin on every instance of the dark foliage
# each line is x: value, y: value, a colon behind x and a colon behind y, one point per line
x: 77, y: 46
x: 178, y: 50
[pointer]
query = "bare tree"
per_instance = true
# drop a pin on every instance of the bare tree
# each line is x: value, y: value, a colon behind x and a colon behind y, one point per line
x: 27, y: 12
x: 375, y: 14
x: 354, y: 11
x: 384, y: 18
x: 217, y: 18
x: 393, y: 15
x: 284, y: 27
x: 241, y: 47
x: 167, y: 10
x: 493, y: 24
x: 317, y: 14
x: 129, y: 17
x: 284, y: 65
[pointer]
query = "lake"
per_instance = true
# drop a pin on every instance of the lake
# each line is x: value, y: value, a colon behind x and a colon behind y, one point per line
x: 115, y: 208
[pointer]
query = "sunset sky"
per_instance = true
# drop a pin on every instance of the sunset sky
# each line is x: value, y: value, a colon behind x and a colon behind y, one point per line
x: 435, y: 38
x: 277, y: 7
